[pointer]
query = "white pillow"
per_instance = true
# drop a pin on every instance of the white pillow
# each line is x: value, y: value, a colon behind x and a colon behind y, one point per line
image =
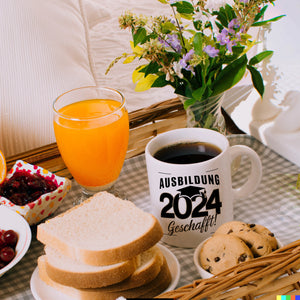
x: 44, y: 52
x: 48, y: 47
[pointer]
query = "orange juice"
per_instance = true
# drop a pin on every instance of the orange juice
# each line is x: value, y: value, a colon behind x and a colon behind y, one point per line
x: 92, y: 137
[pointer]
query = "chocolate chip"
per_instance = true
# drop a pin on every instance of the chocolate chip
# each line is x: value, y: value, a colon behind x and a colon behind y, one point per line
x: 260, y: 247
x: 230, y: 231
x: 209, y: 269
x: 207, y: 259
x: 249, y: 245
x: 271, y: 234
x: 242, y: 257
x: 251, y: 225
x: 217, y: 259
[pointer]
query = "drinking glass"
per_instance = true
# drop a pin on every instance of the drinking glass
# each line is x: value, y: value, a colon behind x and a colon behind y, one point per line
x: 92, y: 130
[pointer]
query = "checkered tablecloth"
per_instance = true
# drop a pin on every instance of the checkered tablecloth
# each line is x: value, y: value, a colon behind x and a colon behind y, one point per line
x: 275, y: 204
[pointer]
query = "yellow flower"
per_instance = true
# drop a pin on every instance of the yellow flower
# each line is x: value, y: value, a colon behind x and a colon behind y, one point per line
x: 142, y: 83
x: 137, y: 50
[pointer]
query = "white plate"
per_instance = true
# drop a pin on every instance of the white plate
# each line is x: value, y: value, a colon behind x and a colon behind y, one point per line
x: 12, y: 220
x: 41, y: 291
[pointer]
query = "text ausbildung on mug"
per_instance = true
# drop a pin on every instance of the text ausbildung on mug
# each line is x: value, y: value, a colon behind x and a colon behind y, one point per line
x: 192, y: 195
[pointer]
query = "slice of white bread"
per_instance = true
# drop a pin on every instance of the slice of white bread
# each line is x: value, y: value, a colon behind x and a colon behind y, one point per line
x: 64, y: 270
x: 151, y: 289
x: 150, y: 265
x: 102, y: 230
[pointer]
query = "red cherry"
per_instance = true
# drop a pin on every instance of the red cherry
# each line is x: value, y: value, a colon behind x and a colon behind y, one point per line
x: 7, y: 254
x: 10, y: 238
x: 2, y: 243
x: 23, y: 187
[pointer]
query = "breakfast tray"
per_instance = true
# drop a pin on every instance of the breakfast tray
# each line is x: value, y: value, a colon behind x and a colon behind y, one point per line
x: 275, y: 204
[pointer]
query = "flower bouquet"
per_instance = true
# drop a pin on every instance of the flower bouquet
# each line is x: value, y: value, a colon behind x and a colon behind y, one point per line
x: 200, y: 50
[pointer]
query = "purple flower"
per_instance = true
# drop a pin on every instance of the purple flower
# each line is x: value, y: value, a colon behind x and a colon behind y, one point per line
x: 234, y: 23
x: 223, y: 37
x: 185, y: 59
x: 211, y: 51
x: 171, y: 41
x: 229, y: 37
x: 229, y: 46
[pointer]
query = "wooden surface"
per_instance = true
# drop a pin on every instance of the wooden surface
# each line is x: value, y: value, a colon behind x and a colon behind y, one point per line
x: 144, y: 125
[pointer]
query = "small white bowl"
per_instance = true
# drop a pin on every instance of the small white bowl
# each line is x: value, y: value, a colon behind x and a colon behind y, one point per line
x: 203, y: 273
x: 46, y: 204
x: 12, y: 220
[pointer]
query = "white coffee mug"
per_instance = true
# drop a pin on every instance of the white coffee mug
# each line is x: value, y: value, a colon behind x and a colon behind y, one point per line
x: 192, y: 200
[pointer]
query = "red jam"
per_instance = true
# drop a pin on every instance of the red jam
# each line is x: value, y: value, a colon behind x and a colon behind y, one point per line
x: 23, y: 187
x: 8, y: 242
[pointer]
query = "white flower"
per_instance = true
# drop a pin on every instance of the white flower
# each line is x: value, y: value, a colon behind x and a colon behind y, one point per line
x: 198, y: 16
x: 177, y: 69
x: 207, y: 18
x: 217, y: 4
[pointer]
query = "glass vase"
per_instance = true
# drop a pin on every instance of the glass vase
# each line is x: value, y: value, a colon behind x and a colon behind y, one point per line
x: 206, y: 113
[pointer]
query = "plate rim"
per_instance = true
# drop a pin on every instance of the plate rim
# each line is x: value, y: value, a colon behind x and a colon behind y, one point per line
x: 169, y: 255
x: 27, y: 239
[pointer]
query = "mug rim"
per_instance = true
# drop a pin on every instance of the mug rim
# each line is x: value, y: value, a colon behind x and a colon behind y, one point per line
x: 223, y: 144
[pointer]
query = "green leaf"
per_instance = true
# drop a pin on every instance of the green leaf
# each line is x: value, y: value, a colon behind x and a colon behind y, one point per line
x: 221, y: 16
x: 151, y: 68
x: 262, y: 23
x: 160, y: 81
x: 184, y: 7
x: 197, y: 42
x: 188, y: 102
x: 197, y: 94
x: 219, y: 25
x: 229, y: 12
x: 139, y: 36
x: 261, y: 13
x: 257, y: 80
x: 259, y: 57
x: 230, y: 75
x: 163, y: 1
x: 167, y: 27
x: 186, y: 16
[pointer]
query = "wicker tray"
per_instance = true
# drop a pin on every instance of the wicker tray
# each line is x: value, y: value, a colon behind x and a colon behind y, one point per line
x: 262, y: 278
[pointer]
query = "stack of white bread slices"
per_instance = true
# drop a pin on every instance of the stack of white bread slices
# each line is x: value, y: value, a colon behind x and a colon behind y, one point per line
x: 103, y: 248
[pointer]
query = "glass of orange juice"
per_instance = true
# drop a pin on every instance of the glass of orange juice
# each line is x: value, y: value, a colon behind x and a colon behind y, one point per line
x: 92, y: 130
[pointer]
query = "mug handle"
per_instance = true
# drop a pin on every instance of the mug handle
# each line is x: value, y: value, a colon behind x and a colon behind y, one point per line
x: 255, y: 175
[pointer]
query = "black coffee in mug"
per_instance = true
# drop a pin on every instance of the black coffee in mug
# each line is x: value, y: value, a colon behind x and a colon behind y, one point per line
x: 187, y: 153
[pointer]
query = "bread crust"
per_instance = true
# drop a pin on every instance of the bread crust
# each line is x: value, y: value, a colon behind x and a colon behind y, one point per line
x: 151, y: 289
x: 141, y: 276
x: 122, y: 276
x: 100, y: 257
x: 117, y: 273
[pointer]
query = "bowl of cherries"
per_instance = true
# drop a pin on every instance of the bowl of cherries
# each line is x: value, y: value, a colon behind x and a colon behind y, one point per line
x: 32, y: 191
x: 15, y: 238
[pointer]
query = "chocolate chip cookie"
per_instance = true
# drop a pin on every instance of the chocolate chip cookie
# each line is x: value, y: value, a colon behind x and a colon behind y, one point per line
x: 258, y: 244
x: 266, y: 233
x: 223, y: 251
x: 233, y: 226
